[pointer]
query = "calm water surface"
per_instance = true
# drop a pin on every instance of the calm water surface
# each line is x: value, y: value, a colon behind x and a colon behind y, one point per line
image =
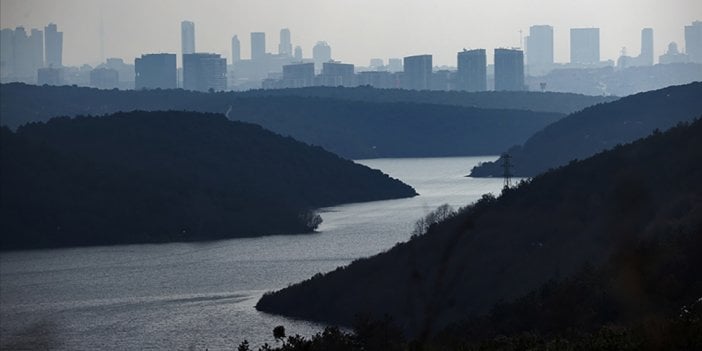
x: 197, y: 296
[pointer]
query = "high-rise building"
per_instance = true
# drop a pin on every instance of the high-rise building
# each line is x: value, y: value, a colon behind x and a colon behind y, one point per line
x: 585, y: 46
x: 7, y: 53
x: 337, y: 74
x: 298, y: 53
x: 285, y: 46
x: 298, y: 75
x: 236, y: 49
x: 539, y: 49
x: 204, y: 72
x: 104, y: 78
x: 472, y: 70
x: 156, y: 71
x: 36, y: 40
x: 417, y: 71
x: 693, y: 41
x: 321, y: 53
x: 258, y: 46
x: 646, y: 56
x: 187, y: 37
x: 509, y: 70
x: 23, y: 58
x: 53, y: 43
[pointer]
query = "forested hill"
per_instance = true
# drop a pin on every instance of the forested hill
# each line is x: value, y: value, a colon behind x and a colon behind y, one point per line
x: 514, y: 100
x: 585, y: 133
x: 163, y: 176
x: 350, y: 128
x: 612, y: 207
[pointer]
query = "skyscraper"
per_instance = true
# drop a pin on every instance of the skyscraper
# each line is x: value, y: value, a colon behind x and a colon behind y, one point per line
x: 509, y: 69
x: 285, y: 46
x: 646, y: 56
x: 258, y: 46
x: 7, y: 53
x: 472, y: 70
x: 154, y: 71
x: 585, y: 46
x: 418, y: 72
x: 298, y: 53
x: 23, y: 69
x: 236, y: 49
x: 693, y: 41
x: 36, y: 40
x: 321, y: 53
x: 539, y: 48
x: 203, y: 71
x: 187, y: 37
x: 53, y: 43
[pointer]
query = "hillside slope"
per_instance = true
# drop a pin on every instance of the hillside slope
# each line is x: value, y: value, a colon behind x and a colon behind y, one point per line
x: 352, y: 122
x: 585, y: 133
x: 500, y: 249
x: 164, y: 176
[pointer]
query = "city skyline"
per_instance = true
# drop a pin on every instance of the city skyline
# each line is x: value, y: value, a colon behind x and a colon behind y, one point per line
x: 414, y: 30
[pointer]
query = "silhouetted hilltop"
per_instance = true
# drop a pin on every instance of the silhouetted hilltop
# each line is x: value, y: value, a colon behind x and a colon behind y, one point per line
x: 583, y: 134
x: 604, y: 211
x: 514, y: 100
x: 344, y: 122
x: 162, y: 176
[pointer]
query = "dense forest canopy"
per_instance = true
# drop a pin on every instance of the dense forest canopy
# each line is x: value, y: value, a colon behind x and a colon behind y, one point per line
x: 354, y: 123
x: 163, y: 176
x: 585, y: 133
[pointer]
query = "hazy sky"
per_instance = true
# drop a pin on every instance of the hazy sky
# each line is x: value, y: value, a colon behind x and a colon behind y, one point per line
x: 356, y: 29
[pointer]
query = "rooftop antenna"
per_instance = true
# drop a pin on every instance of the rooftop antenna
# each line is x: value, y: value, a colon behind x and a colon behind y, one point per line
x: 507, y: 170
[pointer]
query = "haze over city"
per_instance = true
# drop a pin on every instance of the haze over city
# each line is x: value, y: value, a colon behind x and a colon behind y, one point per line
x: 350, y: 175
x: 356, y: 30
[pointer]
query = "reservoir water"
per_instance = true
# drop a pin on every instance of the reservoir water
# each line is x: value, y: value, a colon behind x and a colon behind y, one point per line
x: 192, y: 296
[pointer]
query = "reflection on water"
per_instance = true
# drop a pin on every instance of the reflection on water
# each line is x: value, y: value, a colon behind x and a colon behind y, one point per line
x: 197, y: 295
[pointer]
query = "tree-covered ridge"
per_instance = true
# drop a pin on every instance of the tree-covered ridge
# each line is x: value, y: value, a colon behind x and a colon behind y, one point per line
x: 352, y: 122
x: 164, y: 176
x: 515, y: 100
x: 587, y: 132
x: 634, y: 213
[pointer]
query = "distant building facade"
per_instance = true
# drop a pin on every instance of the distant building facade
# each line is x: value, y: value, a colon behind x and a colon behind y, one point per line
x: 187, y: 37
x: 321, y: 53
x: 53, y: 41
x: 395, y: 65
x: 585, y: 46
x: 156, y: 71
x: 693, y: 41
x: 417, y: 72
x: 204, y: 72
x: 258, y: 46
x: 337, y: 74
x: 50, y: 76
x: 509, y: 70
x: 236, y: 50
x: 285, y: 46
x: 539, y: 49
x: 672, y: 55
x: 104, y: 78
x: 472, y: 70
x: 298, y: 75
